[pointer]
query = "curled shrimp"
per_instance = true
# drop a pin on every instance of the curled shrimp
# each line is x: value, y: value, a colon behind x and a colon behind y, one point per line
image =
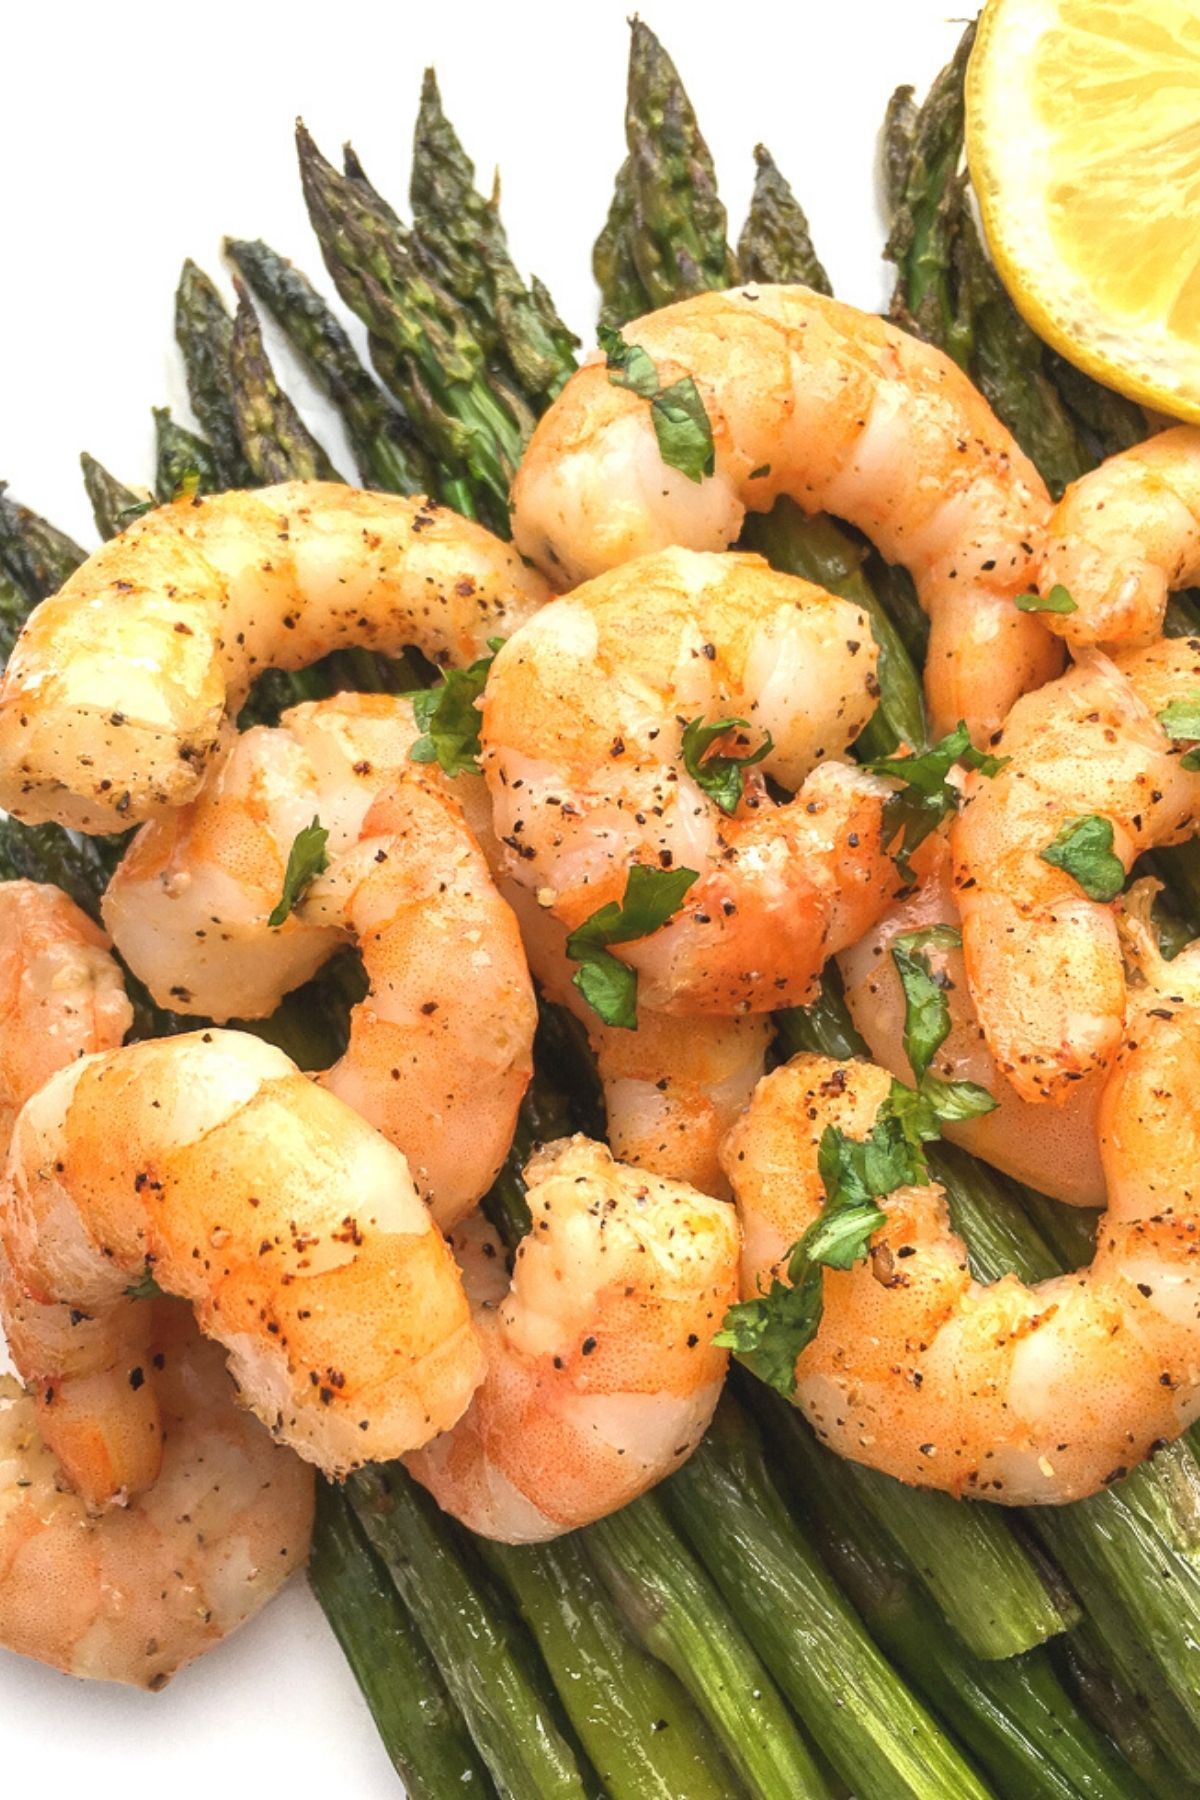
x: 842, y: 412
x: 1043, y: 959
x: 113, y: 700
x: 136, y: 1593
x: 601, y: 1372
x: 673, y: 1087
x: 1053, y: 1149
x: 584, y: 718
x: 1122, y: 538
x: 1017, y: 1394
x: 440, y: 1051
x: 61, y: 994
x: 291, y: 1226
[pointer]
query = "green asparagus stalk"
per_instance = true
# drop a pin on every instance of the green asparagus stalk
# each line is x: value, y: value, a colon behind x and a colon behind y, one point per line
x: 113, y: 504
x: 353, y: 170
x: 182, y: 460
x: 461, y: 240
x: 386, y: 449
x: 1014, y: 1716
x: 676, y: 1612
x: 204, y: 333
x: 35, y: 554
x: 679, y: 239
x: 421, y: 1728
x: 1109, y: 422
x: 81, y: 868
x: 430, y: 347
x: 947, y: 290
x: 776, y: 244
x: 275, y: 441
x: 869, y: 1724
x: 641, y: 1733
x: 14, y: 610
x: 821, y: 551
x: 622, y: 296
x: 1116, y: 1711
x: 493, y: 1677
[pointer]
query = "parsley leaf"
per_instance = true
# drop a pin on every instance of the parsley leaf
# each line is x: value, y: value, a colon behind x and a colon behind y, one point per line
x: 145, y: 1287
x: 607, y: 984
x: 775, y: 1327
x: 683, y: 430
x: 306, y: 860
x: 1058, y: 600
x: 629, y: 365
x: 927, y: 797
x: 186, y: 488
x: 720, y: 777
x: 926, y: 1009
x: 1083, y: 848
x: 1181, y: 719
x: 681, y: 422
x: 449, y: 717
x: 952, y: 1101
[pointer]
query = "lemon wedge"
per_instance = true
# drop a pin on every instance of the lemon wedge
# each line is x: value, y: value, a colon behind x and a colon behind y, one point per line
x: 1083, y: 139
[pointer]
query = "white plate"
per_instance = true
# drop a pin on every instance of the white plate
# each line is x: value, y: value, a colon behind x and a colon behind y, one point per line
x: 134, y: 135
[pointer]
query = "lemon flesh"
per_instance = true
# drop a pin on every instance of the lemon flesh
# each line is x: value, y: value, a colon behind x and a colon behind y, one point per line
x: 1083, y: 140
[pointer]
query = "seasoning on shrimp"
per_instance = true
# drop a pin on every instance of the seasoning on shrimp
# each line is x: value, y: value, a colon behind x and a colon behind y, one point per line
x: 134, y: 1593
x: 291, y: 1226
x: 584, y: 718
x: 1092, y: 779
x: 601, y: 1371
x: 1016, y: 1394
x: 440, y: 1050
x: 113, y: 701
x: 1055, y: 1150
x: 1122, y: 539
x: 842, y: 412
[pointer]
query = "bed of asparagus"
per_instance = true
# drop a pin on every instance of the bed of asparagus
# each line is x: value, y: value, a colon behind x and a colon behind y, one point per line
x: 772, y: 1622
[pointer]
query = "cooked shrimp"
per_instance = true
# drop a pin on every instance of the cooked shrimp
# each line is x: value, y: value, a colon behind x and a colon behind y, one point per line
x: 601, y: 1372
x: 440, y: 1050
x: 1042, y: 958
x: 583, y: 721
x: 137, y: 1593
x: 844, y: 413
x: 1053, y: 1149
x: 1123, y: 537
x: 112, y: 703
x: 1022, y: 1395
x: 61, y: 994
x: 292, y: 1227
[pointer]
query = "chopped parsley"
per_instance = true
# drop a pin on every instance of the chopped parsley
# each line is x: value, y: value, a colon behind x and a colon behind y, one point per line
x: 773, y: 1329
x: 926, y: 1009
x: 1083, y: 849
x: 607, y: 984
x: 681, y: 423
x: 1058, y: 600
x: 721, y: 777
x: 926, y: 797
x: 1181, y: 719
x: 449, y: 717
x: 306, y: 860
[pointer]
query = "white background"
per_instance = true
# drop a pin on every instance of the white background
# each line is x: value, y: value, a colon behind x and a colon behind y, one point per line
x: 133, y: 135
